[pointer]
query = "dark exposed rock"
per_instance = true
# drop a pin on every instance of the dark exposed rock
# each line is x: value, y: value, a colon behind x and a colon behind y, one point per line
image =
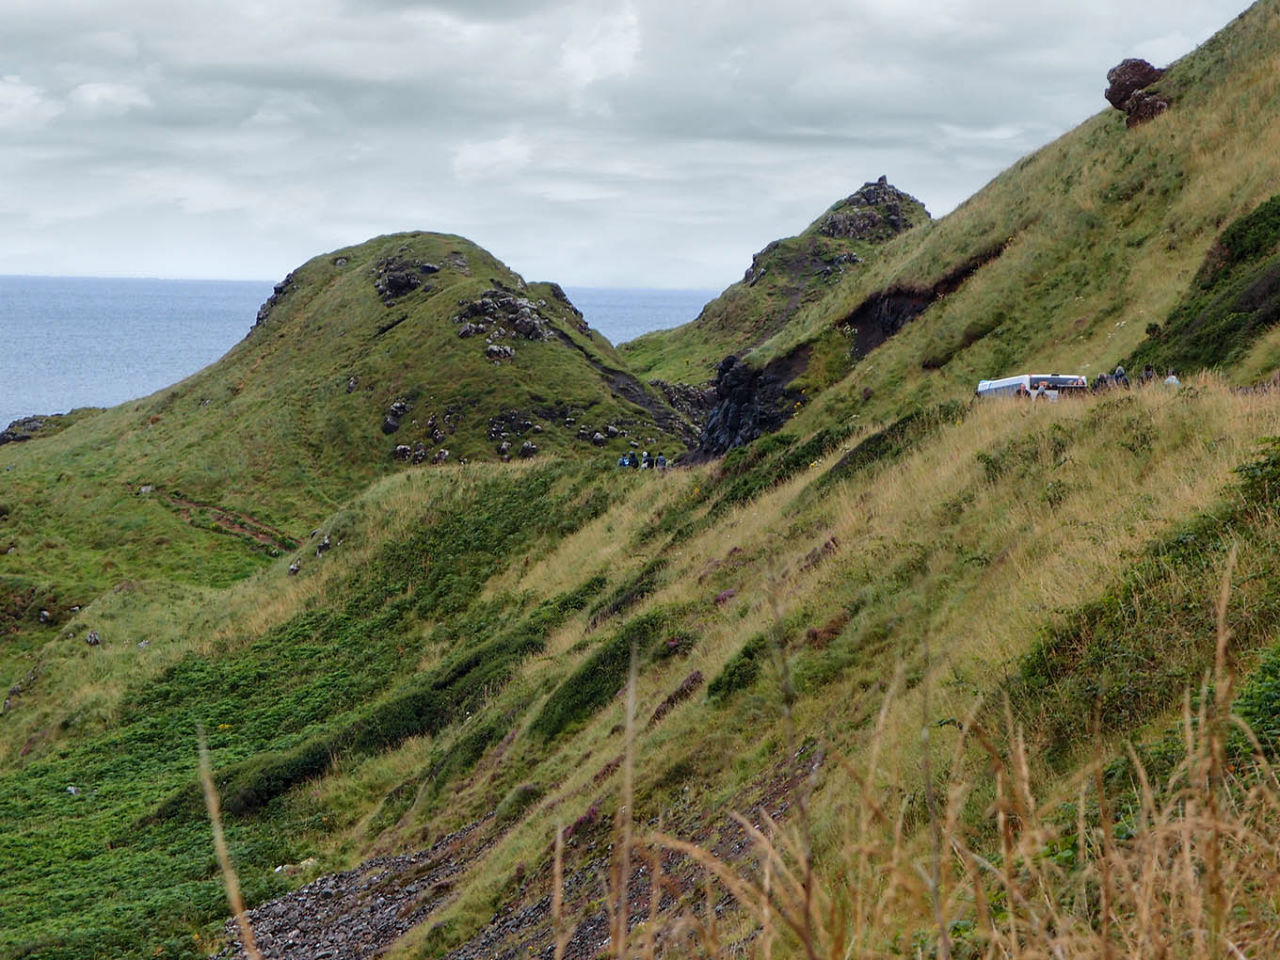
x: 1127, y: 91
x: 390, y: 424
x: 528, y: 449
x: 757, y: 270
x: 25, y: 428
x: 441, y: 456
x: 402, y: 452
x: 876, y: 211
x: 845, y: 260
x: 885, y: 312
x: 278, y: 293
x: 499, y: 313
x: 691, y: 402
x: 512, y: 423
x: 499, y: 352
x: 749, y: 402
x: 687, y: 688
x: 1127, y: 78
x: 394, y: 277
x: 558, y: 292
x: 420, y: 453
x: 1144, y: 106
x: 93, y: 639
x: 358, y: 913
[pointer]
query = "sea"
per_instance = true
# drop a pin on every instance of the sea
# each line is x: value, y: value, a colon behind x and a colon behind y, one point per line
x: 68, y: 342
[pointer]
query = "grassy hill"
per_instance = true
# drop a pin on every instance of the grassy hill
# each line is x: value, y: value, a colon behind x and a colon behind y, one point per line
x: 784, y: 278
x: 908, y: 637
x: 356, y: 369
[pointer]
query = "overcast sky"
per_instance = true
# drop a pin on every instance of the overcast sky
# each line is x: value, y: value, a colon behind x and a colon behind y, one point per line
x: 646, y: 143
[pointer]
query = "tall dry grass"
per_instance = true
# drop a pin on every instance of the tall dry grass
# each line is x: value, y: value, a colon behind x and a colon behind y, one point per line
x: 1184, y: 867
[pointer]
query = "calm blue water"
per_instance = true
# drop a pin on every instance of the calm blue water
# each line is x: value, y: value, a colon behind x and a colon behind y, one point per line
x: 623, y: 314
x: 84, y: 342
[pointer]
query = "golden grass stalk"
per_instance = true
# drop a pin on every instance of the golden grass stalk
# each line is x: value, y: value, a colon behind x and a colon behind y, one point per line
x: 229, y: 878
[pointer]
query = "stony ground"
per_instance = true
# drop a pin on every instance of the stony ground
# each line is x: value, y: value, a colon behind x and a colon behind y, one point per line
x: 359, y: 913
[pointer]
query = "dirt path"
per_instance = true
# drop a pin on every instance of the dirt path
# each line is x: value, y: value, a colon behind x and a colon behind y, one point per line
x: 231, y: 521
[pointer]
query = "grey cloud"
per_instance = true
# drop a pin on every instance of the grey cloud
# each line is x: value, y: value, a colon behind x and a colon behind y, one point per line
x: 481, y: 10
x: 650, y: 142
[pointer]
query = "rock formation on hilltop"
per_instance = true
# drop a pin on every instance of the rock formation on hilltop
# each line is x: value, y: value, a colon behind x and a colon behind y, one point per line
x: 1127, y: 90
x: 783, y: 278
x: 877, y: 211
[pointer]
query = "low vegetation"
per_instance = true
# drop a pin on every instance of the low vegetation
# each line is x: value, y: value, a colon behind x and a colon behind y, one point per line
x: 914, y: 676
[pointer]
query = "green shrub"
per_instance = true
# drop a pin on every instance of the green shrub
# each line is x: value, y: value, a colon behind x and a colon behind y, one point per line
x: 742, y: 670
x: 1235, y: 298
x: 599, y: 678
x: 630, y: 592
x: 894, y: 441
x: 517, y: 801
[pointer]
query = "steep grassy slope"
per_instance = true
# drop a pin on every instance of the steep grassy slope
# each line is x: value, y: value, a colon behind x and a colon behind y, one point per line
x: 357, y: 354
x: 452, y: 673
x: 1065, y: 260
x: 475, y: 623
x: 784, y: 277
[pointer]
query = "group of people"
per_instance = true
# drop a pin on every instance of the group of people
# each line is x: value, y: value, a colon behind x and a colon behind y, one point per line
x: 1105, y: 381
x: 645, y: 461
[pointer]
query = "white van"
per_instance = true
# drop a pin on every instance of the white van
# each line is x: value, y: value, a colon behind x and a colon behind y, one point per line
x: 1030, y: 384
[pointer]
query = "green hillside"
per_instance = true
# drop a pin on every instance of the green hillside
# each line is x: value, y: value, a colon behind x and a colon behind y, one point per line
x: 363, y: 363
x: 964, y: 668
x: 784, y: 278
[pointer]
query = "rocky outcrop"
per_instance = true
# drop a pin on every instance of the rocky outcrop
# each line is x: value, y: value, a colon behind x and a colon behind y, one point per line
x: 1128, y: 77
x: 558, y: 293
x: 395, y: 277
x: 877, y: 211
x: 887, y: 311
x: 691, y: 402
x: 1143, y: 106
x: 23, y: 429
x: 37, y: 428
x: 749, y: 402
x: 499, y: 315
x: 1127, y: 90
x: 756, y: 272
x: 395, y: 413
x: 278, y: 293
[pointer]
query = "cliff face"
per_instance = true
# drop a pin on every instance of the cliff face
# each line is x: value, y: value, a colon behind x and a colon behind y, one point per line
x: 748, y: 403
x: 783, y: 279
